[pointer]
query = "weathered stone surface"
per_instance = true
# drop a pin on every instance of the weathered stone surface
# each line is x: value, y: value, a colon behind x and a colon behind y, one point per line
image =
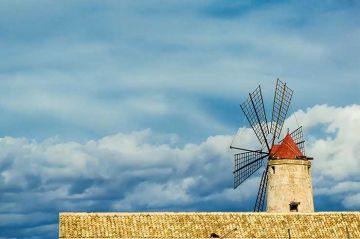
x: 289, y: 180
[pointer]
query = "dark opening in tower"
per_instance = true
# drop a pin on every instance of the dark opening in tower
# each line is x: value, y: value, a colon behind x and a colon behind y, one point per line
x: 294, y: 206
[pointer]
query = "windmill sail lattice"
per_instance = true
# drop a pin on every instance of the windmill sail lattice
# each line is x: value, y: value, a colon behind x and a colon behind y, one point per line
x: 254, y: 111
x: 246, y: 164
x: 260, y: 199
x: 250, y: 161
x: 298, y: 138
x: 282, y: 99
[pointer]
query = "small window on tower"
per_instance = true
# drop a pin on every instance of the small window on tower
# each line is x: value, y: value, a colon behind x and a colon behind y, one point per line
x: 294, y: 206
x: 273, y: 169
x: 214, y: 235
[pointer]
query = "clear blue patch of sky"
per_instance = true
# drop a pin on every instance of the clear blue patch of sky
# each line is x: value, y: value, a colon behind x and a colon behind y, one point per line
x: 236, y: 8
x: 223, y: 109
x: 43, y: 126
x: 329, y: 203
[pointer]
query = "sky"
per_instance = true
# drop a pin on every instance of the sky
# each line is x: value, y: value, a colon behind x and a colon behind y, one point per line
x: 132, y: 105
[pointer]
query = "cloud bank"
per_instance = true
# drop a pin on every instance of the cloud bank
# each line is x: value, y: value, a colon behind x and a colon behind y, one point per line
x: 147, y: 171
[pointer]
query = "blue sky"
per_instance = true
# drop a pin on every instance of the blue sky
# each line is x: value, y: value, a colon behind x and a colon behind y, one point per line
x: 103, y: 101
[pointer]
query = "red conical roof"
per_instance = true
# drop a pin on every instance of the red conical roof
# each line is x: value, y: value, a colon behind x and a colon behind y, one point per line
x: 286, y: 150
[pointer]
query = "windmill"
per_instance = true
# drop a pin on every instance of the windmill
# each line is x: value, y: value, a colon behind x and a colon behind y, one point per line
x: 248, y: 161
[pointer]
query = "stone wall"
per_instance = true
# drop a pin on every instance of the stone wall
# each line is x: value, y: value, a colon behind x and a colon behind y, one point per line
x: 289, y: 180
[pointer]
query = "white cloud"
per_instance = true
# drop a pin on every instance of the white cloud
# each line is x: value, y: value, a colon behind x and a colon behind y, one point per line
x: 336, y: 146
x: 137, y: 171
x: 352, y: 201
x: 339, y: 188
x: 148, y: 171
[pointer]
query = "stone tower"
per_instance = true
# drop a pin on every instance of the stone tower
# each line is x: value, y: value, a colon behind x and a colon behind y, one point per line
x: 289, y: 185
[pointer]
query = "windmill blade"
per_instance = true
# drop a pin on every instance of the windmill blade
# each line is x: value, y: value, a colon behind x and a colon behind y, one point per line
x: 254, y: 111
x: 261, y: 196
x: 281, y: 105
x: 298, y: 138
x: 246, y: 164
x: 301, y: 146
x: 297, y: 135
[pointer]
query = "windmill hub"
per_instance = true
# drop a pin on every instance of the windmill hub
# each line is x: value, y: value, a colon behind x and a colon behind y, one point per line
x: 286, y: 184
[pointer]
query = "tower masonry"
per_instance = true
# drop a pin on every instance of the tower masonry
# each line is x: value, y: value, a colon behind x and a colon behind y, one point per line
x: 289, y: 183
x: 289, y: 186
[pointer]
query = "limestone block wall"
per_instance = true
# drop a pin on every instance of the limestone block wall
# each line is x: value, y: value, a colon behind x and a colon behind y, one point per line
x: 289, y: 180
